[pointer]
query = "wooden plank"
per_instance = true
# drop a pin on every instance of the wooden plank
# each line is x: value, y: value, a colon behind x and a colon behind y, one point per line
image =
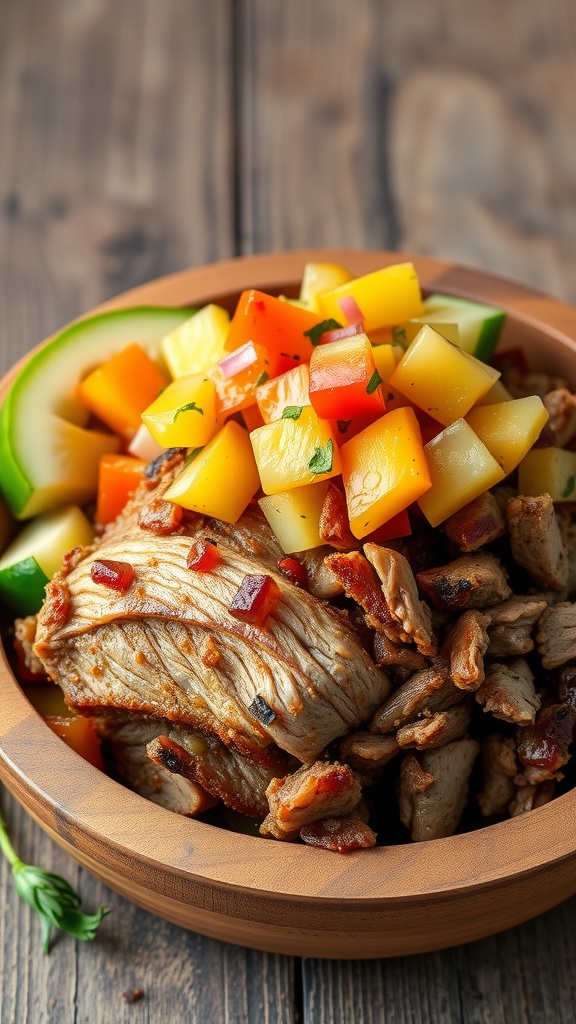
x: 114, y: 168
x: 524, y: 976
x: 413, y: 126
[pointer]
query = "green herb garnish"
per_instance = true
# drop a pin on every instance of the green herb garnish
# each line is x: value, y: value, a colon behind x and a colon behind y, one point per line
x: 52, y: 897
x: 292, y: 412
x: 192, y: 454
x: 262, y: 379
x: 571, y: 481
x: 321, y: 461
x: 316, y: 332
x: 373, y: 383
x: 399, y: 336
x: 191, y: 407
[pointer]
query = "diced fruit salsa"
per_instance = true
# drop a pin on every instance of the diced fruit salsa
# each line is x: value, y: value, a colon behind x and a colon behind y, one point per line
x: 360, y: 403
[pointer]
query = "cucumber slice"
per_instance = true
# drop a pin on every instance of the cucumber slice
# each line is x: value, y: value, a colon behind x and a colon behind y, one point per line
x: 31, y: 560
x: 47, y: 456
x: 478, y: 325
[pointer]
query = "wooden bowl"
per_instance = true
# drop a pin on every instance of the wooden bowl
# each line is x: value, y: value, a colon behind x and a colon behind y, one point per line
x: 280, y: 897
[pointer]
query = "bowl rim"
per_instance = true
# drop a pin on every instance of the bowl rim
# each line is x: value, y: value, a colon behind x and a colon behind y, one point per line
x: 101, y: 810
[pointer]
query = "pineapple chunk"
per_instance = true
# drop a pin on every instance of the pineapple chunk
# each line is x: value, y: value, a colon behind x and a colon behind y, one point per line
x: 295, y: 516
x: 497, y: 393
x: 548, y: 471
x: 222, y: 479
x: 384, y: 470
x: 318, y: 278
x: 509, y: 429
x: 380, y: 299
x: 440, y: 378
x: 197, y: 343
x: 184, y: 414
x: 461, y: 468
x: 295, y: 452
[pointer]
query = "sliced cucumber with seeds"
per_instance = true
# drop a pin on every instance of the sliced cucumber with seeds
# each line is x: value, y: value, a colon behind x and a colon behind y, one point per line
x: 48, y: 457
x: 473, y: 326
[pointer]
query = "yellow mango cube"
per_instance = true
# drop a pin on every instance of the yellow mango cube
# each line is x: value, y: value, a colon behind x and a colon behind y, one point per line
x: 197, y: 343
x: 380, y: 299
x: 406, y: 332
x: 440, y: 378
x: 293, y: 452
x: 184, y: 414
x: 384, y: 470
x: 548, y: 471
x: 461, y: 468
x: 497, y: 393
x: 222, y: 479
x: 318, y: 278
x: 509, y: 429
x: 294, y: 516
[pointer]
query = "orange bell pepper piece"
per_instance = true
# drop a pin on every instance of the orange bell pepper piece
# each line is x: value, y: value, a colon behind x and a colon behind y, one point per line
x: 118, y: 478
x: 119, y: 390
x: 274, y: 324
x: 238, y: 374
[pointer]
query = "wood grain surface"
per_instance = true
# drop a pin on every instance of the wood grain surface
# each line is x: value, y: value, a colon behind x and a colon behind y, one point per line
x: 138, y: 137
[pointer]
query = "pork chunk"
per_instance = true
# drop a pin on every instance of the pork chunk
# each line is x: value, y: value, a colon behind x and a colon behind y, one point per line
x: 479, y: 522
x: 561, y: 407
x: 432, y: 800
x: 466, y: 646
x: 435, y: 730
x: 498, y: 755
x: 511, y: 626
x: 401, y: 596
x: 342, y: 835
x: 508, y: 692
x: 366, y: 751
x: 313, y: 793
x: 556, y: 635
x: 473, y: 581
x: 430, y: 690
x: 536, y: 540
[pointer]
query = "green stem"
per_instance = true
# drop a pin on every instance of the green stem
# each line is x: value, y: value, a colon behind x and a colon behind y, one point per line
x: 6, y: 846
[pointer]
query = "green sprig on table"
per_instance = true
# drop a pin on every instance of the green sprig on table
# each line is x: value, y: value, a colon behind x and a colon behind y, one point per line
x: 52, y: 897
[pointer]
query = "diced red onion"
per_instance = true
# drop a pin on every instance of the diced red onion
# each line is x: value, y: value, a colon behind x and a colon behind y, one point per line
x: 351, y: 309
x: 255, y: 600
x: 116, y: 575
x: 238, y: 360
x: 341, y: 332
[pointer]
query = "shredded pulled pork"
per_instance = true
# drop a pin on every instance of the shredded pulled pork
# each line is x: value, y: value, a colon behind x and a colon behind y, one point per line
x: 313, y: 793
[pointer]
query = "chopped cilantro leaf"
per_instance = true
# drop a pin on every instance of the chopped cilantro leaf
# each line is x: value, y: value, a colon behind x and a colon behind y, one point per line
x: 262, y: 379
x: 321, y: 461
x: 316, y: 332
x: 192, y: 454
x: 373, y: 383
x: 292, y: 412
x: 191, y: 407
x: 571, y: 481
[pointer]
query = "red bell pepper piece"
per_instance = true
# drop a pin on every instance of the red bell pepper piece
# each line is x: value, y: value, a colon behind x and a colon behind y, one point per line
x: 273, y: 324
x: 344, y: 381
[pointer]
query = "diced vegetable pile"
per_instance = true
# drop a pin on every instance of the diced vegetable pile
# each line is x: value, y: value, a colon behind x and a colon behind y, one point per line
x: 359, y: 378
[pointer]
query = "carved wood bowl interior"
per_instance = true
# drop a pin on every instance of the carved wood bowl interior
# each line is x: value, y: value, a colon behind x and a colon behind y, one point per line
x: 283, y: 897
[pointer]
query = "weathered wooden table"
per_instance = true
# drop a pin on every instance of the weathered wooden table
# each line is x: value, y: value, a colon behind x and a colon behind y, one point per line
x: 142, y: 136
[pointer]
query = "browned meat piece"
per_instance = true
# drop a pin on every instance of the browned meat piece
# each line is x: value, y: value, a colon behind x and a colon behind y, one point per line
x: 366, y: 751
x: 512, y: 623
x: 528, y: 798
x: 301, y: 681
x: 322, y: 582
x: 521, y: 385
x: 473, y: 581
x: 556, y: 636
x: 390, y: 655
x: 567, y: 523
x: 565, y: 684
x: 498, y: 768
x: 333, y: 526
x: 536, y: 540
x: 508, y: 692
x: 433, y: 798
x: 401, y: 596
x: 342, y: 835
x: 313, y: 793
x: 465, y: 646
x: 362, y: 585
x: 25, y: 635
x: 478, y: 523
x: 429, y: 690
x: 127, y: 736
x: 238, y: 781
x: 561, y: 408
x: 543, y: 746
x: 435, y: 730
